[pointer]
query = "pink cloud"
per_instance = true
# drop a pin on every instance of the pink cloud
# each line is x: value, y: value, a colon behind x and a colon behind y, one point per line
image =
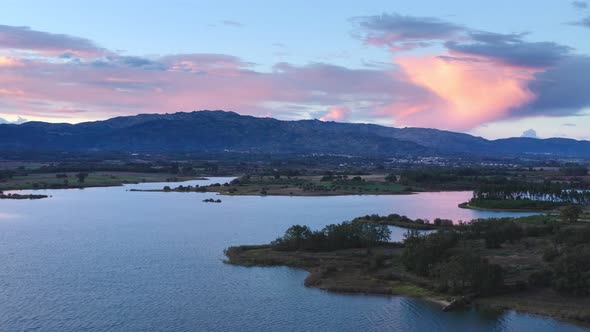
x: 127, y: 86
x: 464, y: 93
x: 338, y: 113
x: 425, y: 91
x: 76, y: 80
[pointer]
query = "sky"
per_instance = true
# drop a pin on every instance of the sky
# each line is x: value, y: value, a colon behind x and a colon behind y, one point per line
x: 489, y: 68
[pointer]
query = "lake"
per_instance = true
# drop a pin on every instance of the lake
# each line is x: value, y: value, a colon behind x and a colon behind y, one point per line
x: 106, y: 259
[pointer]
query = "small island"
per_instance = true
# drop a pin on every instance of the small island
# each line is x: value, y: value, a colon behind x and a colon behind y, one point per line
x: 21, y: 196
x: 211, y: 200
x: 302, y: 185
x: 535, y: 264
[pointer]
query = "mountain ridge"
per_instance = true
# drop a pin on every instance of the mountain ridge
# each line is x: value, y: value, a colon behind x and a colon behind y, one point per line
x: 218, y: 131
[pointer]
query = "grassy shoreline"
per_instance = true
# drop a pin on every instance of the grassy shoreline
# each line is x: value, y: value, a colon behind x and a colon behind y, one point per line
x: 341, y: 271
x: 307, y: 185
x: 93, y: 180
x: 223, y: 192
x: 466, y: 205
x: 355, y: 278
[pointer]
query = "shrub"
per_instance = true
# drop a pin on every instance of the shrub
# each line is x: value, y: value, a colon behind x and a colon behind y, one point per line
x: 572, y: 271
x: 541, y: 278
x: 550, y: 254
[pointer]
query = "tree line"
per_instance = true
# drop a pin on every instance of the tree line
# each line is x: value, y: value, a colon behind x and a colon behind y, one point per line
x: 572, y: 193
x: 345, y: 235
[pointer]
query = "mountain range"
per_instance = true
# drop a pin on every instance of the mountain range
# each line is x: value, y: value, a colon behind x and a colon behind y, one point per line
x: 219, y: 131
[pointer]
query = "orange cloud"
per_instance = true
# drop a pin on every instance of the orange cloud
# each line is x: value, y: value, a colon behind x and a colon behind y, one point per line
x: 9, y: 62
x: 10, y: 92
x: 338, y: 113
x: 467, y: 92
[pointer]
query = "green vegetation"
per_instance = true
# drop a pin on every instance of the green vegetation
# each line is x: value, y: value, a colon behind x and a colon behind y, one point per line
x: 512, y: 204
x: 15, y: 175
x: 574, y: 170
x: 82, y: 180
x: 553, y: 192
x: 412, y: 290
x: 19, y: 196
x: 405, y: 222
x: 81, y: 177
x: 452, y: 178
x: 300, y: 186
x: 571, y: 213
x: 359, y: 184
x: 349, y: 234
x: 532, y: 196
x: 534, y: 263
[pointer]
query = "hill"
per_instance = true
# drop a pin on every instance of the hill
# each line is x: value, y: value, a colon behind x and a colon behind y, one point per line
x: 219, y: 131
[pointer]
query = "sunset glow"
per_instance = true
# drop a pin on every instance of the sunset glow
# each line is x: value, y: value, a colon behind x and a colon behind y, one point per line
x: 469, y: 92
x: 406, y: 68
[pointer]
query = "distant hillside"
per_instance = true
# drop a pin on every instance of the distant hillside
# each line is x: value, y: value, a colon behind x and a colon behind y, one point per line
x: 218, y: 131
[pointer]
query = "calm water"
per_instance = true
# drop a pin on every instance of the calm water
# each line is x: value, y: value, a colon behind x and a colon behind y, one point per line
x: 106, y: 259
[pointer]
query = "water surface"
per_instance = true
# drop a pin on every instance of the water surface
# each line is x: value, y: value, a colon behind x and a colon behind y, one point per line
x: 106, y: 259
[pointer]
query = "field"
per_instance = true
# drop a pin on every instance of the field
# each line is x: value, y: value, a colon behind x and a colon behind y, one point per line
x: 94, y: 179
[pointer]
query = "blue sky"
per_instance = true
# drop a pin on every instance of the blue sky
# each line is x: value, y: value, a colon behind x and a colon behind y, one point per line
x: 308, y: 32
x: 261, y: 34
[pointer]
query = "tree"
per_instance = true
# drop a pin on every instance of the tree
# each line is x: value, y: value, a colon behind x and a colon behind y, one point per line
x: 572, y: 271
x: 391, y: 178
x: 467, y: 271
x: 574, y: 170
x: 422, y: 252
x: 81, y: 177
x: 371, y: 234
x: 293, y: 239
x: 348, y: 234
x: 571, y: 213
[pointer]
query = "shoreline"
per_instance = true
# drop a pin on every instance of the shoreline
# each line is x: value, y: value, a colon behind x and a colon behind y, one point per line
x: 347, y: 272
x: 105, y: 185
x: 22, y: 197
x: 307, y: 194
x: 323, y: 274
x: 466, y: 205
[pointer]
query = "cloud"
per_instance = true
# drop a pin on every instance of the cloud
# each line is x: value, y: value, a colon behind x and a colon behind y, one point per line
x: 584, y: 22
x: 24, y: 38
x: 19, y: 120
x: 531, y: 133
x: 579, y: 4
x: 560, y: 90
x: 477, y: 77
x: 231, y: 23
x: 127, y: 61
x: 511, y: 49
x: 9, y: 62
x: 401, y: 32
x: 115, y: 84
x: 204, y: 63
x: 569, y: 125
x: 482, y: 76
x: 338, y: 113
x: 404, y: 32
x: 465, y: 94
